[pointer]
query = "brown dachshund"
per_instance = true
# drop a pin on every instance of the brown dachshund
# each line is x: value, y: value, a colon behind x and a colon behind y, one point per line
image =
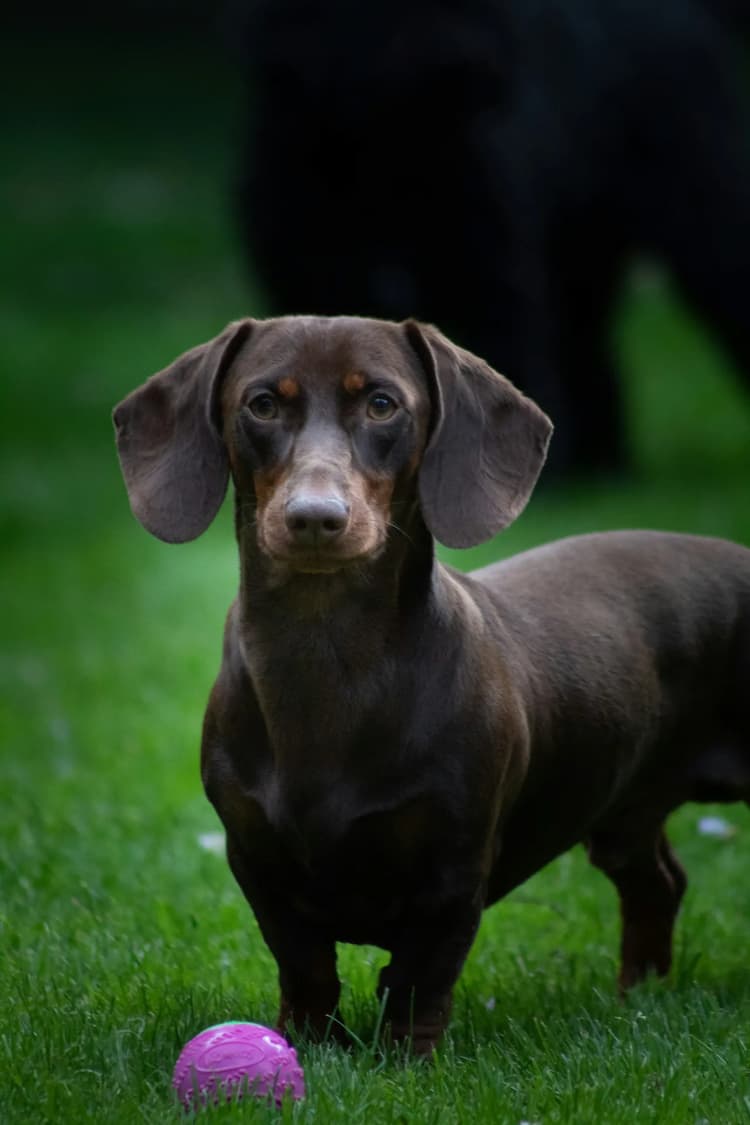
x: 392, y: 745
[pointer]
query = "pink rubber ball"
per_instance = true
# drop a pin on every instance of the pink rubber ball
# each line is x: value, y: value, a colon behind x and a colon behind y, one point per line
x: 225, y: 1061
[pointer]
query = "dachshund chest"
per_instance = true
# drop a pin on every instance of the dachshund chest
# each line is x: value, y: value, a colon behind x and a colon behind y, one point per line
x: 345, y: 861
x: 335, y: 823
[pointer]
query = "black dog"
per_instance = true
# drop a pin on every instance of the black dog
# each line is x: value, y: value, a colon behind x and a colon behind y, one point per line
x: 493, y: 166
x: 391, y: 745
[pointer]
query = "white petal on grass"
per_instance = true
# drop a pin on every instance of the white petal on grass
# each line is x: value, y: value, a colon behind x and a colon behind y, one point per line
x: 212, y: 842
x: 715, y: 826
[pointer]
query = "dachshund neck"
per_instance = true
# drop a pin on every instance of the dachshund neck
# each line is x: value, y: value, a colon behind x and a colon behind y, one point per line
x: 323, y: 651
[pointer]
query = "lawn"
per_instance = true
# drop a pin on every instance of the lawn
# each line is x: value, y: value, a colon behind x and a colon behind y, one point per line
x: 121, y: 934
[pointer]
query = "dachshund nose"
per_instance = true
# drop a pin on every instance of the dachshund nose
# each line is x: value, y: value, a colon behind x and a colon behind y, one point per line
x: 315, y: 520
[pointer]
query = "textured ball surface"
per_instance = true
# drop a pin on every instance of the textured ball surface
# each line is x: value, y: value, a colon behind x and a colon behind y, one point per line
x: 224, y: 1061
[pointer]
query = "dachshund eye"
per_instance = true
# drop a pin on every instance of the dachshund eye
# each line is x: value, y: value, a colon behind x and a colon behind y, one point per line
x: 264, y: 406
x: 381, y: 407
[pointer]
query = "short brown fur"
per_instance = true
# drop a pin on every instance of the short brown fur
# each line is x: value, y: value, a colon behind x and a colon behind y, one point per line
x: 288, y: 387
x: 391, y: 745
x: 354, y: 382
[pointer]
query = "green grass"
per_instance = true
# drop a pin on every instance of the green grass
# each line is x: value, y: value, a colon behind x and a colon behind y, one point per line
x: 120, y: 936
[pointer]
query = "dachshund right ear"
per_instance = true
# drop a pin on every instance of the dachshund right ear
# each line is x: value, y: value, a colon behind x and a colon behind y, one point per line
x: 170, y: 447
x: 487, y: 444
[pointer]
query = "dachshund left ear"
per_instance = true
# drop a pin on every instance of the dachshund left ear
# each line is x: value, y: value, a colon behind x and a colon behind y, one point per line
x: 487, y: 446
x: 171, y: 452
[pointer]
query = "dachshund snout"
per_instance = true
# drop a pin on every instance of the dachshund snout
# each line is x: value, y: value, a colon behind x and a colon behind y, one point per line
x: 315, y: 519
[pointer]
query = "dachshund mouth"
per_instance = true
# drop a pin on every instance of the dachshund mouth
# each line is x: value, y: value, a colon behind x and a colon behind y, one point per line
x: 317, y: 564
x: 324, y: 560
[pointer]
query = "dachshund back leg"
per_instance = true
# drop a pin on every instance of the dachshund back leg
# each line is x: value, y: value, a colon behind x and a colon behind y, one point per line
x: 650, y: 882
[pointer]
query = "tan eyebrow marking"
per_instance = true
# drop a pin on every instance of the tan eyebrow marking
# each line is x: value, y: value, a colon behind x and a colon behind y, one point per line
x: 288, y: 387
x: 354, y: 382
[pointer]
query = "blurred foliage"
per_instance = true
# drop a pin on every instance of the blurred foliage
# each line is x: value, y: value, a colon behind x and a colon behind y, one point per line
x: 120, y: 938
x: 118, y: 253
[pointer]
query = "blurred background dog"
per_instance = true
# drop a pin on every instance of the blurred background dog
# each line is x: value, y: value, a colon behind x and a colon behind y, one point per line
x: 495, y: 166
